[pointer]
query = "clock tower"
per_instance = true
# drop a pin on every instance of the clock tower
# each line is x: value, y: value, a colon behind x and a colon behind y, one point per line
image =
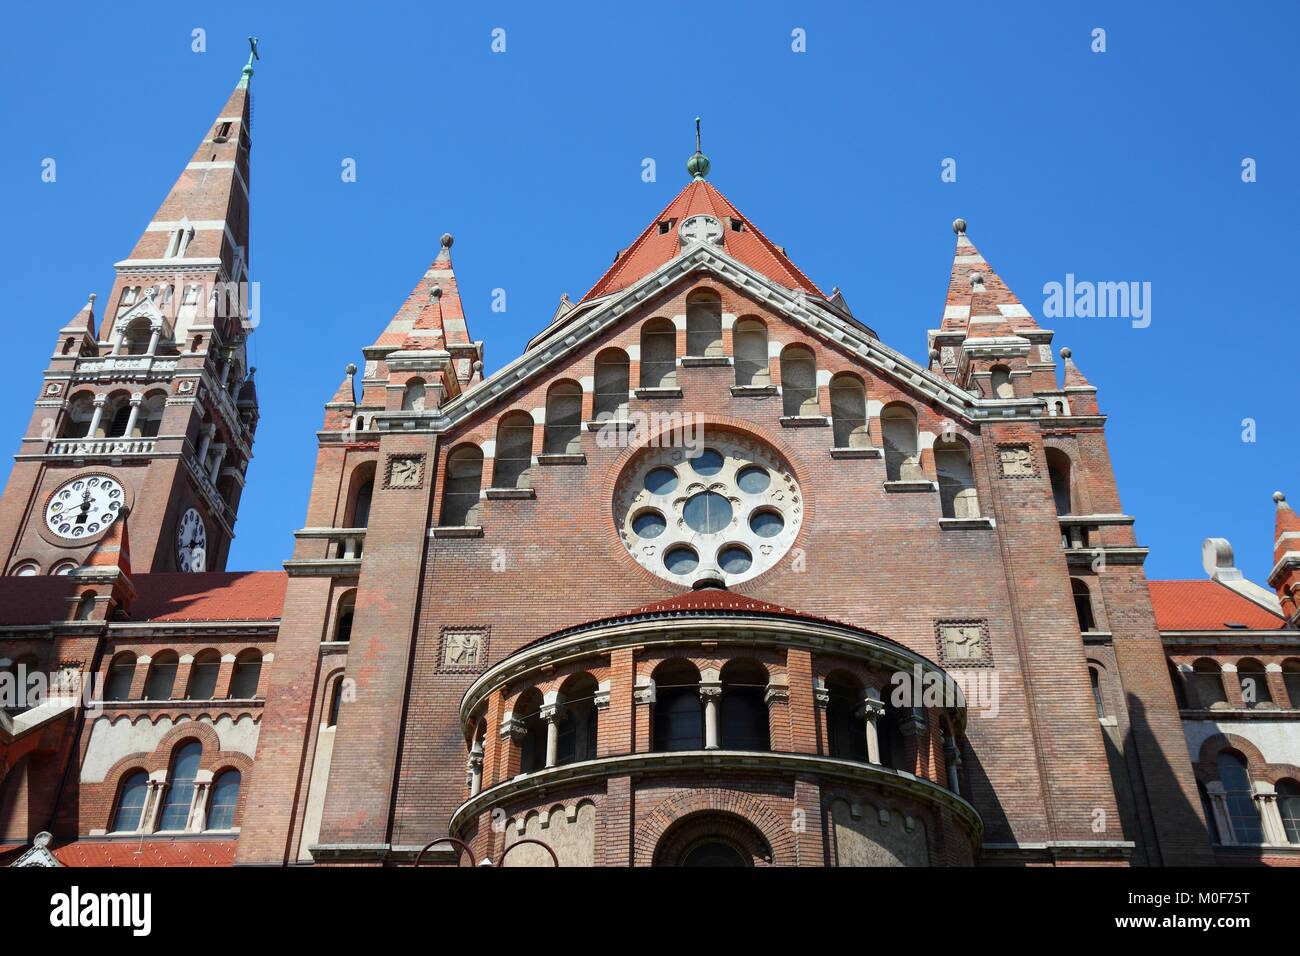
x: 150, y: 405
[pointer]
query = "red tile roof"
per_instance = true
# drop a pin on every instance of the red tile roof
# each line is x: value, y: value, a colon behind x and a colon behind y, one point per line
x: 1206, y: 606
x: 216, y: 596
x: 147, y: 852
x: 654, y: 248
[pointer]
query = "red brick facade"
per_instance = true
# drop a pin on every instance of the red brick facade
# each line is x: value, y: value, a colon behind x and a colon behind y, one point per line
x: 947, y: 653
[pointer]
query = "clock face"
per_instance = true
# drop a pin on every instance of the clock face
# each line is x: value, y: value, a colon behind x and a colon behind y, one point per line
x: 191, y: 543
x: 84, y: 506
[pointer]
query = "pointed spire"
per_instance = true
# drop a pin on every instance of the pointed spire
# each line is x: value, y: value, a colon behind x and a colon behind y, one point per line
x: 698, y: 165
x: 1073, y: 377
x: 84, y: 321
x: 1287, y: 523
x: 976, y: 292
x: 432, y: 317
x: 660, y: 242
x: 346, y: 392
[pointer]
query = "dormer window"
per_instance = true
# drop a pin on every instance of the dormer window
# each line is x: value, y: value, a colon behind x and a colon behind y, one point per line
x: 737, y: 225
x: 666, y: 226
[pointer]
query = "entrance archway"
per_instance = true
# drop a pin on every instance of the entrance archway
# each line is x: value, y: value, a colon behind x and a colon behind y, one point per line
x: 712, y: 838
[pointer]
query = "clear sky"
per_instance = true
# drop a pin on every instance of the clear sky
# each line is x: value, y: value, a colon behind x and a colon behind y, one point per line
x: 1117, y: 166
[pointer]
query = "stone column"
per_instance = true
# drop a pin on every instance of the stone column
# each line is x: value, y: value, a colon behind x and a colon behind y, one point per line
x: 643, y: 700
x: 513, y: 733
x: 1219, y: 804
x: 205, y: 440
x: 155, y: 333
x: 97, y: 417
x: 199, y: 808
x: 1269, y: 813
x: 711, y: 692
x: 952, y: 762
x: 119, y: 337
x: 476, y: 768
x: 136, y: 401
x: 153, y: 805
x: 218, y: 456
x: 821, y: 703
x: 551, y: 714
x: 872, y: 710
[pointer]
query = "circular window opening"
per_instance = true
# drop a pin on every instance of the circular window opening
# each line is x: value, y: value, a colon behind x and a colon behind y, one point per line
x: 753, y: 480
x: 681, y: 560
x: 707, y: 512
x: 707, y: 463
x: 649, y: 524
x: 766, y: 523
x: 660, y: 481
x: 734, y: 559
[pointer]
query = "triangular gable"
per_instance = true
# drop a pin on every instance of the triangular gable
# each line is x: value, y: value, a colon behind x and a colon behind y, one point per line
x: 808, y: 312
x: 39, y: 854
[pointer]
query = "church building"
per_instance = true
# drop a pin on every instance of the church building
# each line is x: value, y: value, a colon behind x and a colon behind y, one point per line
x: 708, y: 576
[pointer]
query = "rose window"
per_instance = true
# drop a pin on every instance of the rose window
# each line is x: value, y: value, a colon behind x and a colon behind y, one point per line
x: 726, y: 507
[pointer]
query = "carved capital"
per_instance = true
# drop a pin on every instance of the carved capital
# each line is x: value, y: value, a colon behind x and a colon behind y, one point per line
x: 513, y: 729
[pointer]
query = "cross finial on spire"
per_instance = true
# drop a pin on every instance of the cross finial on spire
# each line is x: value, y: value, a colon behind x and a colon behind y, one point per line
x: 698, y: 164
x: 252, y: 55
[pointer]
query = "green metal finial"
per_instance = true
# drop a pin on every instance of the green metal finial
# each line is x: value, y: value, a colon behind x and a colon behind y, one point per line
x: 698, y: 164
x: 252, y: 55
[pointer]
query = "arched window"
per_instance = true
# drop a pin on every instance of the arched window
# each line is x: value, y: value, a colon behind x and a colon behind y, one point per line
x: 1254, y: 682
x: 704, y: 324
x: 86, y: 606
x: 1288, y: 805
x: 179, y: 797
x: 1083, y: 605
x: 336, y: 701
x: 203, y: 676
x: 460, y: 491
x: 658, y: 354
x: 743, y: 724
x: 1207, y: 682
x: 1239, y: 796
x: 81, y: 409
x: 245, y: 676
x: 577, y: 738
x: 898, y: 429
x: 610, y: 399
x: 1094, y: 677
x: 514, y: 450
x: 121, y: 672
x: 563, y: 419
x: 225, y: 798
x: 849, y: 412
x: 1058, y: 471
x: 130, y: 802
x: 1000, y: 382
x: 162, y: 675
x: 957, y: 495
x: 749, y: 341
x: 28, y: 569
x: 798, y: 381
x: 889, y: 733
x: 1179, y: 685
x: 361, y: 504
x: 150, y: 416
x: 137, y: 338
x: 845, y: 727
x: 1291, y: 680
x: 678, y: 711
x: 343, y: 625
x: 413, y: 396
x: 527, y: 710
x: 117, y: 414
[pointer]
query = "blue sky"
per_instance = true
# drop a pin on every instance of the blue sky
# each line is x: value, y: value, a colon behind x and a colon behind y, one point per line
x: 1116, y: 166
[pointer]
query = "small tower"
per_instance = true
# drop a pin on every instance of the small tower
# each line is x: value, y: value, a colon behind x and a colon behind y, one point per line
x: 1285, y: 576
x: 153, y: 410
